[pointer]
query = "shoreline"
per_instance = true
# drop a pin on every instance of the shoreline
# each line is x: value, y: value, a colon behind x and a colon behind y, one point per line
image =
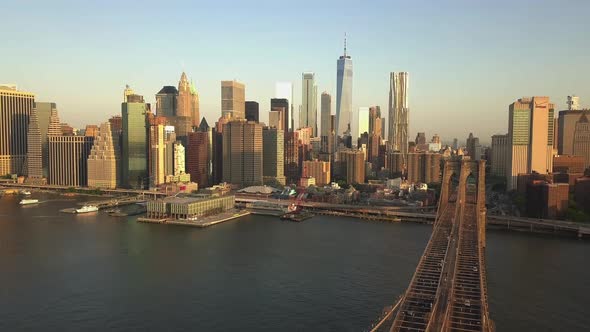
x: 522, y: 225
x: 202, y: 223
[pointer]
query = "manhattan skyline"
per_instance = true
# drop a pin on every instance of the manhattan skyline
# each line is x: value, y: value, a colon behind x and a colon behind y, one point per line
x: 468, y: 62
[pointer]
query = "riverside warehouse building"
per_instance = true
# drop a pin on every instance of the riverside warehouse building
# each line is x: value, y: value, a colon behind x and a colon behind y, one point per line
x: 189, y: 207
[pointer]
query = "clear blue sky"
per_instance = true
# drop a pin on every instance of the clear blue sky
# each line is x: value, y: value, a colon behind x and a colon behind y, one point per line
x: 467, y: 60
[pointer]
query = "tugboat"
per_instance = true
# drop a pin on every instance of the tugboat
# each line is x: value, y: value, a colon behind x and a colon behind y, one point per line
x: 87, y: 208
x: 28, y: 201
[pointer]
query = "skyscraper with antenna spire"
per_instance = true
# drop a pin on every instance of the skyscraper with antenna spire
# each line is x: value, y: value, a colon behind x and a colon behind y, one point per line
x: 343, y: 92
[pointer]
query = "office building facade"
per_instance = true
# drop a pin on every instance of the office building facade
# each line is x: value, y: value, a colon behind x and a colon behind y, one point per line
x: 284, y: 90
x: 233, y: 102
x: 273, y: 165
x: 530, y: 138
x: 343, y: 92
x: 252, y: 111
x: 399, y: 112
x: 166, y: 101
x: 308, y: 115
x: 134, y: 152
x: 15, y: 109
x: 242, y: 153
x: 68, y: 160
x: 102, y: 161
x: 198, y: 157
x: 499, y: 154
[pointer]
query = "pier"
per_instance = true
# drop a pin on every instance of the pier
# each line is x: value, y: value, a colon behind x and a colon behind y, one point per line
x: 201, y: 222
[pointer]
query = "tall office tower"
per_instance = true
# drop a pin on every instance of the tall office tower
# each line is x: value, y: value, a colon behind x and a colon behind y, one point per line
x: 116, y: 123
x: 354, y: 162
x: 474, y: 149
x: 102, y: 162
x: 217, y: 157
x: 252, y: 111
x: 157, y: 155
x: 233, y: 100
x: 499, y: 154
x: 455, y: 143
x: 166, y: 101
x: 277, y: 104
x: 363, y: 122
x: 179, y: 159
x: 284, y: 90
x: 198, y: 157
x: 273, y: 147
x: 573, y: 103
x: 205, y: 128
x: 375, y: 120
x: 308, y: 116
x: 35, y: 149
x: 326, y: 125
x: 127, y: 92
x: 242, y: 153
x: 68, y: 160
x: 169, y: 140
x: 44, y: 111
x: 276, y: 118
x: 398, y: 112
x: 343, y: 92
x: 530, y: 138
x: 15, y: 108
x: 292, y: 150
x: 383, y: 128
x: 582, y: 140
x: 54, y: 128
x: 134, y: 152
x: 188, y: 101
x: 567, y: 123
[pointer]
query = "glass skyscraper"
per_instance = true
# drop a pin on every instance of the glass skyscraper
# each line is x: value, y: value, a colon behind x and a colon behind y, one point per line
x: 343, y: 92
x: 284, y: 90
x: 134, y: 161
x: 308, y: 115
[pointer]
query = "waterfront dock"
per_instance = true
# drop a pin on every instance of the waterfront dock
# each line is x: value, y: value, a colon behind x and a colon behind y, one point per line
x: 201, y: 222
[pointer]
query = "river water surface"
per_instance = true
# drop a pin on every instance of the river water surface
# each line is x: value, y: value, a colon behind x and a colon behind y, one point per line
x: 94, y: 272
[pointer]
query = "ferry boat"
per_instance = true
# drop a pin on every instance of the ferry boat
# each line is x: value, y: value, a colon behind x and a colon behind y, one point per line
x: 28, y: 201
x: 87, y: 208
x: 25, y: 192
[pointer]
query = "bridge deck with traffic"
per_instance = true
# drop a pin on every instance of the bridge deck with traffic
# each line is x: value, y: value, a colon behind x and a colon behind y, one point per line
x: 448, y: 291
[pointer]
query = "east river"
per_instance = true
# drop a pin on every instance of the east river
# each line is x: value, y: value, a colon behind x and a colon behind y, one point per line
x: 63, y: 272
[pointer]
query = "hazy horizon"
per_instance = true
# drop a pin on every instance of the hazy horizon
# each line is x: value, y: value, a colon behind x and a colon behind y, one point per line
x: 462, y: 57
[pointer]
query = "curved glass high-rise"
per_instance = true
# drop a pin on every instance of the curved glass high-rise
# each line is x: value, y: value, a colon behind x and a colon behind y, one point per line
x: 398, y: 113
x: 343, y: 92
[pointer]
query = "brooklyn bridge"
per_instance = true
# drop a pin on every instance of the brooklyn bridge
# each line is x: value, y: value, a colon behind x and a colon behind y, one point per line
x: 448, y: 290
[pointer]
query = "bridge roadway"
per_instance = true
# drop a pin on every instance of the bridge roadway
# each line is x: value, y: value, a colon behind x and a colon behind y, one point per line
x: 448, y: 290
